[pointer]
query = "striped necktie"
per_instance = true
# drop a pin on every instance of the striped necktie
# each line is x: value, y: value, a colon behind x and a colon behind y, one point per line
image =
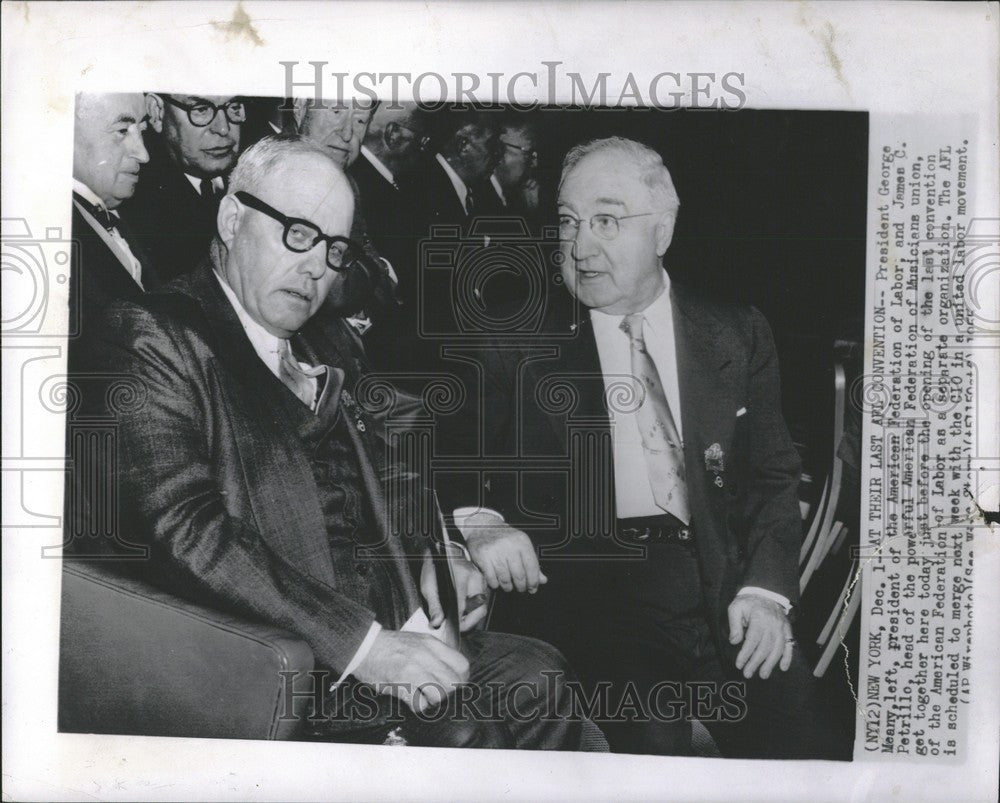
x: 661, y: 442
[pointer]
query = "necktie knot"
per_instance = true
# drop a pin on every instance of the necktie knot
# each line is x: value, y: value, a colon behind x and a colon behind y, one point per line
x: 295, y: 379
x: 631, y: 325
x: 98, y: 212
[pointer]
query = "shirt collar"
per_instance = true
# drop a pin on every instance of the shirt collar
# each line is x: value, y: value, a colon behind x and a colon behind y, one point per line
x: 269, y: 347
x: 658, y: 314
x: 378, y: 164
x: 498, y: 187
x: 456, y: 181
x: 89, y: 195
x: 217, y: 182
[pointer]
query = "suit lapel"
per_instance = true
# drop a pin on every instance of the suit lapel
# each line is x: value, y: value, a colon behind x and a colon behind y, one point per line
x: 280, y: 482
x: 117, y: 272
x: 709, y: 359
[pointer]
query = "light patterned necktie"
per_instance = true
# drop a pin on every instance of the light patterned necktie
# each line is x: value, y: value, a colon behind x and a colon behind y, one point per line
x: 302, y: 383
x: 661, y: 442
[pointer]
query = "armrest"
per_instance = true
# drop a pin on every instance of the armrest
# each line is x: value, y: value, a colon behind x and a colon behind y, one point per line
x: 137, y: 660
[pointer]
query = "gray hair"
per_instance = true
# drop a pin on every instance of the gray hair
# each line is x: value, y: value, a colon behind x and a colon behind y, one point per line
x: 649, y: 164
x: 264, y: 156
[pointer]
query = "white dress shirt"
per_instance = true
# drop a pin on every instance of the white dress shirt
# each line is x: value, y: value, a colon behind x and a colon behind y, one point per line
x: 499, y: 188
x: 113, y: 239
x: 460, y: 189
x: 217, y: 182
x: 633, y: 492
x: 379, y: 166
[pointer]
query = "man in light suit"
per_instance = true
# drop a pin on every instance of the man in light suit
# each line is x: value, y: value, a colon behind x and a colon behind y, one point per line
x: 670, y: 543
x: 252, y: 472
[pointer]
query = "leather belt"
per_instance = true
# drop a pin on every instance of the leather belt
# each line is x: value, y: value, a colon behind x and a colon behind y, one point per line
x: 655, y: 530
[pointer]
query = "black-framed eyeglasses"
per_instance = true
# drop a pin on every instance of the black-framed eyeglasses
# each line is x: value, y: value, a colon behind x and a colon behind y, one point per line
x: 302, y: 235
x: 526, y: 152
x: 203, y: 112
x: 603, y: 225
x: 414, y: 134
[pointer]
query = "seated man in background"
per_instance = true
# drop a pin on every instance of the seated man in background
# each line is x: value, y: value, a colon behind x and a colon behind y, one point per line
x: 193, y: 145
x: 251, y: 471
x: 366, y: 296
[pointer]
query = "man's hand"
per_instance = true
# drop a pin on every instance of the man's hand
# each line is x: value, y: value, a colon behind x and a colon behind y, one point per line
x: 418, y: 669
x: 469, y: 583
x: 505, y: 555
x: 768, y: 635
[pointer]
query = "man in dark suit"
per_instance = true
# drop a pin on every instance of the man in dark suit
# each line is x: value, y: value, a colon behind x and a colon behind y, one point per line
x: 367, y: 293
x: 513, y: 181
x: 466, y: 149
x: 108, y: 152
x: 193, y: 146
x: 383, y: 172
x: 252, y: 472
x: 654, y: 471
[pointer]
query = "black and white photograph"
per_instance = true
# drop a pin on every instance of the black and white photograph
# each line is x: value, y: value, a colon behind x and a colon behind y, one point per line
x: 639, y: 417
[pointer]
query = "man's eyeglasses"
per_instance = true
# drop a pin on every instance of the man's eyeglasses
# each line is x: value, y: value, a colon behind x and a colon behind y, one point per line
x: 302, y: 235
x: 203, y: 112
x: 526, y: 152
x: 603, y: 225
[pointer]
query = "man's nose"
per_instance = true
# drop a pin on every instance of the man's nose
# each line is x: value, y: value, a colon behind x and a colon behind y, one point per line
x: 584, y: 244
x: 313, y: 262
x: 137, y: 149
x: 220, y: 123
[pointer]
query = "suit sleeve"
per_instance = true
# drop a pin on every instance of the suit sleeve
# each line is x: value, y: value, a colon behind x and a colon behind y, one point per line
x: 168, y: 481
x: 775, y: 525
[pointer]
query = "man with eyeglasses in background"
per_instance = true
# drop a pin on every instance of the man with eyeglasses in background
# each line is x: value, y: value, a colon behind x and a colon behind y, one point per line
x: 513, y: 181
x: 671, y: 567
x: 193, y: 143
x: 253, y: 473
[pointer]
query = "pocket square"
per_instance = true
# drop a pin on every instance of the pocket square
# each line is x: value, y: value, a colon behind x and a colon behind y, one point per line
x: 741, y: 411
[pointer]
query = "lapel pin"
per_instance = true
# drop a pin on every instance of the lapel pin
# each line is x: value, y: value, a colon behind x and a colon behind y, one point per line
x: 715, y: 462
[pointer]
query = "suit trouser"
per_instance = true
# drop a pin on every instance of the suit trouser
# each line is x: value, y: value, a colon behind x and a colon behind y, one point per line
x: 516, y: 697
x: 662, y: 668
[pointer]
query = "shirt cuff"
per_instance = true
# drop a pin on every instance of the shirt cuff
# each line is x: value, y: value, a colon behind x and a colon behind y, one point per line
x: 754, y: 591
x: 360, y: 655
x: 463, y: 514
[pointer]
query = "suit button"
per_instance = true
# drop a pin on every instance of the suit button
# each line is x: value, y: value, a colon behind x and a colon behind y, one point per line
x: 361, y: 568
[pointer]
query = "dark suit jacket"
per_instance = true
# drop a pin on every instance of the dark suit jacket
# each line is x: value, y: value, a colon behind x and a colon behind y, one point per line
x: 213, y: 477
x: 173, y: 222
x: 544, y: 399
x: 438, y: 201
x: 99, y: 277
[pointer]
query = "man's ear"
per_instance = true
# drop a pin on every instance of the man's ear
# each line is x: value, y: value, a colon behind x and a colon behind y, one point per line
x: 664, y: 232
x: 154, y: 108
x: 227, y: 220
